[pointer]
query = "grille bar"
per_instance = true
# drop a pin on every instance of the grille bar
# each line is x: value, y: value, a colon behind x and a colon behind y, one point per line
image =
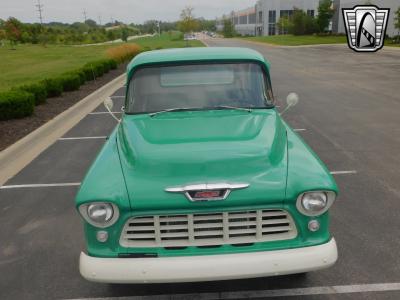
x: 208, y: 229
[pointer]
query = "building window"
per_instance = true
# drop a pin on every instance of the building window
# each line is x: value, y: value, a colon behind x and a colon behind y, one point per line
x: 252, y: 18
x: 310, y: 12
x: 236, y: 20
x: 272, y: 22
x: 271, y: 29
x: 272, y: 16
x: 260, y: 17
x: 243, y: 20
x: 286, y: 13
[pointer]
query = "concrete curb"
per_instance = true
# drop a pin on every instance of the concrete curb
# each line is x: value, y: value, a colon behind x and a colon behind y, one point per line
x: 395, y: 48
x: 14, y: 158
x: 341, y: 45
x: 291, y: 47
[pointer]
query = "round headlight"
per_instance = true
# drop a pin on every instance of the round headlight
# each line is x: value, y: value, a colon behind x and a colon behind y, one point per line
x: 100, y: 212
x: 315, y: 203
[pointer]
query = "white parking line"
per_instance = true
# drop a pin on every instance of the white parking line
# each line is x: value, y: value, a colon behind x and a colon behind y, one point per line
x: 104, y: 112
x: 343, y: 172
x: 20, y: 186
x: 299, y: 129
x: 117, y: 97
x: 323, y: 290
x: 83, y: 138
x: 24, y: 186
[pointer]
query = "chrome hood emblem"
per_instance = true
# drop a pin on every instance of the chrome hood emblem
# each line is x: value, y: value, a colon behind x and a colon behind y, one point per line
x: 207, y: 191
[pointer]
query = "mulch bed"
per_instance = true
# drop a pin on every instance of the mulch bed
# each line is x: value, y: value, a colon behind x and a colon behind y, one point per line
x: 13, y: 130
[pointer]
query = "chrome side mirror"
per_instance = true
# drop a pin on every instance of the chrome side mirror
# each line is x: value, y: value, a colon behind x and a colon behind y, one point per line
x: 291, y: 100
x: 109, y: 104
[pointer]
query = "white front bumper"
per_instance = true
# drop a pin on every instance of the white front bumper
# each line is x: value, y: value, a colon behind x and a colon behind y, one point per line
x: 208, y: 267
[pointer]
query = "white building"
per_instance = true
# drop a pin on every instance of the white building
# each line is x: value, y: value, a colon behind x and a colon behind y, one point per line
x: 270, y: 11
x: 262, y: 19
x: 338, y: 22
x: 243, y: 20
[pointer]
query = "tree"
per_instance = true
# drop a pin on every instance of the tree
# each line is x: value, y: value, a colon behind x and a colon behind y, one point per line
x: 2, y: 36
x: 187, y: 22
x: 297, y: 22
x: 2, y: 32
x: 207, y: 25
x: 284, y: 25
x: 325, y: 14
x: 124, y: 34
x: 13, y: 29
x: 300, y: 23
x: 111, y: 35
x: 397, y: 23
x: 91, y: 23
x: 229, y: 28
x: 311, y: 25
x: 82, y: 27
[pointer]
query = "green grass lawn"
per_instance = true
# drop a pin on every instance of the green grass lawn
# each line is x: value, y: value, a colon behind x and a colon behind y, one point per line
x: 291, y: 40
x: 390, y: 43
x: 31, y: 63
x: 166, y: 40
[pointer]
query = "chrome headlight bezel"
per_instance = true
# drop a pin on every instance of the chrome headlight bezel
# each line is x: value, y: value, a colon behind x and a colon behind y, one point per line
x: 330, y: 199
x: 83, y: 209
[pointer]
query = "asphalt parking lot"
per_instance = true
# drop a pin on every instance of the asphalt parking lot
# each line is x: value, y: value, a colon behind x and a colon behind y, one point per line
x: 349, y: 113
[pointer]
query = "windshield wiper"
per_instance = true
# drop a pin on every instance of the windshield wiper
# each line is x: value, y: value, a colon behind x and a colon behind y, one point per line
x: 221, y: 107
x: 231, y: 107
x: 173, y: 110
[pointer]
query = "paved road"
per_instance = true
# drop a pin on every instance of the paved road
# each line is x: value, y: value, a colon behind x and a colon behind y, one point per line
x: 350, y: 110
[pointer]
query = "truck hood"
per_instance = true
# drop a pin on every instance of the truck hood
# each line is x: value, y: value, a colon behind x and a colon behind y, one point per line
x: 183, y: 148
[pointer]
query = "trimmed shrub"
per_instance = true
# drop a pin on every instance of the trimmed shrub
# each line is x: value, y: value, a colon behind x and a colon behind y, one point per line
x: 96, y: 68
x: 124, y: 52
x: 37, y: 89
x: 106, y: 66
x: 113, y: 64
x: 16, y: 104
x: 70, y: 82
x: 54, y: 87
x: 80, y: 73
x: 89, y: 75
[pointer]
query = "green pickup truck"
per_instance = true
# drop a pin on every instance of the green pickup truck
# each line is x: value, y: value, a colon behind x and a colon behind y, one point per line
x: 202, y: 179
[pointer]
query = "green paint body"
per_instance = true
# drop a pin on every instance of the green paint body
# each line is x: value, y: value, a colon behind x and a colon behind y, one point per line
x: 145, y: 155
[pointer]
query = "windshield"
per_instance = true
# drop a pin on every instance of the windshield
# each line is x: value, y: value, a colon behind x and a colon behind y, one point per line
x: 205, y: 86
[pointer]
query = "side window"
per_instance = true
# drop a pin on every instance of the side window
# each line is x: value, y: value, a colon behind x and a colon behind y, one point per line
x: 130, y: 96
x: 270, y: 93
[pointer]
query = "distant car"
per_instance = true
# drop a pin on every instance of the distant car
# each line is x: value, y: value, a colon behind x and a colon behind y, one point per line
x: 189, y: 37
x: 202, y: 179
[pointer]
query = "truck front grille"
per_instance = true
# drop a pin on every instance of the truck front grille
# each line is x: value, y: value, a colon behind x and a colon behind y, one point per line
x: 208, y: 229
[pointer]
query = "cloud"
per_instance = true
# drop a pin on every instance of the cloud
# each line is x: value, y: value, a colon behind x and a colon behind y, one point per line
x: 129, y: 11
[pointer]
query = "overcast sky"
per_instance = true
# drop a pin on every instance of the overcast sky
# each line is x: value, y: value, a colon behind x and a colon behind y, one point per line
x: 128, y: 11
